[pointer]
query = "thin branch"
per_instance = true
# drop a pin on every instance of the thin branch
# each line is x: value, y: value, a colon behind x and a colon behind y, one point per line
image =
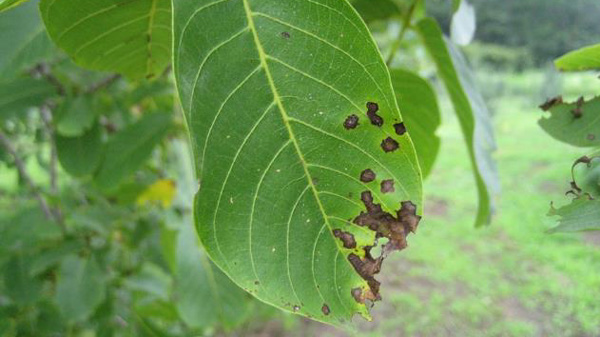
x: 405, y: 25
x: 43, y: 70
x: 47, y: 119
x: 102, y: 84
x: 9, y: 147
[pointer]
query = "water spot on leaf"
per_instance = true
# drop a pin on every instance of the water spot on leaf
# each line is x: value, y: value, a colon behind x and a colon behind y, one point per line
x: 389, y: 145
x: 367, y: 176
x: 351, y: 122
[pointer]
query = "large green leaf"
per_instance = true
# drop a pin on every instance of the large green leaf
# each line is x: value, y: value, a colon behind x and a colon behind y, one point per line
x: 21, y: 94
x: 130, y: 148
x: 276, y: 99
x: 421, y: 114
x: 575, y: 123
x: 81, y: 287
x: 581, y: 214
x: 582, y: 59
x: 471, y: 111
x: 124, y: 36
x: 23, y: 40
x: 205, y: 296
x: 80, y: 156
x: 8, y: 4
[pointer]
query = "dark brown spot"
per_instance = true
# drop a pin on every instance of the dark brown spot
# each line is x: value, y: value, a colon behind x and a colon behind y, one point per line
x: 256, y: 282
x: 591, y: 137
x: 347, y: 238
x: 551, y: 102
x: 387, y: 186
x: 372, y: 109
x: 351, y: 122
x: 389, y: 145
x: 367, y: 176
x: 578, y: 112
x: 400, y: 129
x: 325, y: 309
x: 285, y: 35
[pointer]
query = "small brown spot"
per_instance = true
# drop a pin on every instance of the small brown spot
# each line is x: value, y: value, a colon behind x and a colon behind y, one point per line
x: 578, y: 112
x: 256, y: 282
x: 591, y: 137
x: 285, y: 35
x: 296, y: 308
x: 400, y: 129
x: 367, y: 176
x: 351, y: 122
x: 551, y: 102
x: 387, y: 186
x: 372, y: 109
x: 325, y: 309
x: 389, y: 145
x: 347, y: 238
x: 357, y: 294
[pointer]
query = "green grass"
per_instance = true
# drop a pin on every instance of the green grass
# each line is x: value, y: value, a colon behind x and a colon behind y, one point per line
x: 511, y: 278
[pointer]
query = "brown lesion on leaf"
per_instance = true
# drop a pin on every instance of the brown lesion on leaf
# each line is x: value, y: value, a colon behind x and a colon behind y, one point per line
x: 367, y: 176
x: 389, y: 144
x: 372, y: 109
x: 325, y: 309
x: 351, y: 122
x: 551, y: 102
x: 400, y: 128
x: 387, y: 186
x: 386, y: 225
x: 285, y: 35
x: 578, y: 112
x: 347, y: 238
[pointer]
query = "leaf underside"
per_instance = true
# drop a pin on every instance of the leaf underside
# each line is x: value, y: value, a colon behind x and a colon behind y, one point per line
x: 269, y: 90
x: 131, y: 37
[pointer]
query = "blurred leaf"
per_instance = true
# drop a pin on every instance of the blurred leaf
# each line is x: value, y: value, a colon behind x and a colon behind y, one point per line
x: 151, y: 279
x: 455, y: 4
x: 373, y: 10
x: 20, y: 286
x: 272, y: 116
x: 463, y: 25
x: 21, y: 94
x: 127, y: 150
x: 75, y: 116
x: 581, y: 214
x: 53, y: 256
x: 161, y: 192
x: 26, y: 230
x: 419, y: 107
x: 80, y: 156
x: 205, y: 296
x: 574, y: 123
x: 49, y: 321
x: 81, y: 287
x: 168, y: 244
x: 23, y: 40
x: 8, y: 4
x: 471, y: 111
x: 586, y: 58
x: 129, y: 37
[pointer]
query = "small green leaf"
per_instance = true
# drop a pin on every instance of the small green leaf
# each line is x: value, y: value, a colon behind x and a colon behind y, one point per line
x: 21, y: 286
x: 575, y: 123
x: 288, y: 104
x: 8, y: 4
x: 23, y: 39
x: 205, y: 296
x: 127, y: 150
x: 586, y: 58
x: 582, y: 214
x: 80, y: 156
x: 21, y: 94
x: 421, y: 115
x: 471, y: 111
x: 81, y: 287
x: 75, y: 116
x: 129, y: 37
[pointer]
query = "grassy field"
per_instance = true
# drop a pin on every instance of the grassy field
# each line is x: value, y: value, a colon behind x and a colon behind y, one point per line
x: 509, y: 279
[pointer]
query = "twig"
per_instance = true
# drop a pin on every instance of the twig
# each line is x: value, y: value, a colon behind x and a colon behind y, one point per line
x: 102, y: 84
x: 46, y: 115
x: 405, y: 25
x: 43, y: 70
x: 9, y: 147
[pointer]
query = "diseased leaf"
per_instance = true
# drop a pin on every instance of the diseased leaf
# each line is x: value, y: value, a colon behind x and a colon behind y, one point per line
x: 421, y: 115
x: 21, y: 94
x: 127, y: 150
x: 81, y: 287
x: 286, y: 113
x: 586, y: 58
x: 80, y: 156
x: 23, y: 39
x: 205, y: 296
x: 581, y: 214
x: 575, y: 123
x: 129, y: 37
x: 471, y: 110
